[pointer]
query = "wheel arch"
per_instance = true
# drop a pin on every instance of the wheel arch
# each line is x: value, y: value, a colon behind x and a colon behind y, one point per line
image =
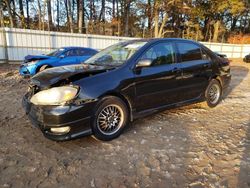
x: 217, y: 77
x: 124, y: 99
x: 39, y: 66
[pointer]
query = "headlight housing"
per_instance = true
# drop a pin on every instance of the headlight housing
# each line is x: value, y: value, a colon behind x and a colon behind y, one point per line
x: 55, y: 96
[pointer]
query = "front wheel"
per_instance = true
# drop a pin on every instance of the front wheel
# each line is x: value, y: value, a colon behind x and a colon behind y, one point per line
x: 213, y: 93
x: 110, y: 118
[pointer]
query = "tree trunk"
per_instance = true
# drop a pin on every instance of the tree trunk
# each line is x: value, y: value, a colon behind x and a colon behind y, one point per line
x: 216, y: 31
x: 67, y: 12
x: 80, y: 16
x: 10, y: 13
x: 113, y: 17
x: 77, y: 11
x: 14, y: 12
x: 103, y: 17
x: 1, y: 15
x: 165, y: 18
x: 118, y: 18
x: 39, y: 15
x: 21, y: 13
x: 234, y: 21
x: 83, y: 17
x: 44, y: 13
x: 156, y: 18
x: 70, y: 16
x: 127, y: 11
x: 149, y: 15
x: 50, y: 24
x: 28, y: 14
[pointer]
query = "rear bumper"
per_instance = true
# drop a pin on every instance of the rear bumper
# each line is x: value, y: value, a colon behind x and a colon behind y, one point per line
x: 46, y: 117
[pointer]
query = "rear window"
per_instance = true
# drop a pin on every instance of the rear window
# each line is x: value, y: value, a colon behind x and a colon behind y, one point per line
x: 189, y: 51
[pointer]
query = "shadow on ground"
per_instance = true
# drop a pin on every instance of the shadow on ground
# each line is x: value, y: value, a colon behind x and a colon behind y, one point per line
x: 244, y: 174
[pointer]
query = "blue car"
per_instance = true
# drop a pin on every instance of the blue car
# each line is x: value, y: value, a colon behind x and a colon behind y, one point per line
x: 63, y: 56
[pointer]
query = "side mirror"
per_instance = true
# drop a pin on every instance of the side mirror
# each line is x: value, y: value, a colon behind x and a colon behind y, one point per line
x: 144, y: 63
x: 62, y: 56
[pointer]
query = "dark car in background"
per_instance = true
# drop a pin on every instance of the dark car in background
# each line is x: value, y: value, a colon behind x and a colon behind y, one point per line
x: 63, y: 56
x: 122, y: 83
x: 247, y: 58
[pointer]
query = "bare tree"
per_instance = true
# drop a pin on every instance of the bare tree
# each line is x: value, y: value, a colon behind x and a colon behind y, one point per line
x: 149, y: 15
x: 13, y: 11
x: 50, y: 24
x: 39, y: 15
x: 1, y: 15
x: 80, y: 16
x: 21, y: 13
x: 28, y: 14
x: 70, y: 18
x: 9, y: 12
x: 113, y: 16
x: 126, y: 11
x: 102, y: 16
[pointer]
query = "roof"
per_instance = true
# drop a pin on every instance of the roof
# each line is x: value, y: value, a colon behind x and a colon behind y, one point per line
x: 76, y: 47
x: 157, y: 39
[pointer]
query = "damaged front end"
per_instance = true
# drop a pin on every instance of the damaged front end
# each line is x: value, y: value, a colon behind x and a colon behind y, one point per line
x: 54, y: 104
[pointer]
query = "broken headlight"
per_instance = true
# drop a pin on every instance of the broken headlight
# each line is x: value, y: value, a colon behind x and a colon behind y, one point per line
x: 55, y: 95
x: 32, y: 62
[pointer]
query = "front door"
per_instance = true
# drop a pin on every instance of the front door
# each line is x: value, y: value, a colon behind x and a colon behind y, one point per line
x: 157, y: 85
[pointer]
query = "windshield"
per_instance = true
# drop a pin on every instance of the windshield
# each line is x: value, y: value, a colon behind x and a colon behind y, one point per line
x: 56, y: 52
x: 115, y: 55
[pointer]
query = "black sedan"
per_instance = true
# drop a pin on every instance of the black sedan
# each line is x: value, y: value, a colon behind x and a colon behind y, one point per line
x: 247, y: 58
x: 122, y: 83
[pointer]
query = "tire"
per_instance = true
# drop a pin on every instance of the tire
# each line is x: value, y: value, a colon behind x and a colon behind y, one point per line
x: 213, y: 93
x: 42, y: 68
x: 107, y: 126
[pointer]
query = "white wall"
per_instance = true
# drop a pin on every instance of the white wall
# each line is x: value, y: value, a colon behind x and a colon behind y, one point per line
x: 231, y: 50
x: 21, y: 42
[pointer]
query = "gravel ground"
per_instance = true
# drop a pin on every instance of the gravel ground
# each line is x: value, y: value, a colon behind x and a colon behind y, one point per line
x: 192, y: 146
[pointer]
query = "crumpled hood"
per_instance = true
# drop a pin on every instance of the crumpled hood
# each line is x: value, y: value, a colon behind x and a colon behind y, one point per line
x: 52, y: 76
x: 29, y: 58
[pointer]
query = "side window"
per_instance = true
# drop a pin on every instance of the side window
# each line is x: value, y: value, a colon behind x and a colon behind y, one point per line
x: 160, y: 54
x: 86, y: 52
x: 189, y: 51
x: 82, y: 52
x: 71, y: 53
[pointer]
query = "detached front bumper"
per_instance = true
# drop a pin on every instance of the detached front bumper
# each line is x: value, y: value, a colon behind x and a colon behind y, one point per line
x: 77, y: 117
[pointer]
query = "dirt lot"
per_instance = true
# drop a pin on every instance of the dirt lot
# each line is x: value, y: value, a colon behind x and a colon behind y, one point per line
x: 192, y: 146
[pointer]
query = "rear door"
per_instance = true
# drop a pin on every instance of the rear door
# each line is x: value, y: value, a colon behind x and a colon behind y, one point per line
x: 157, y: 85
x: 196, y: 69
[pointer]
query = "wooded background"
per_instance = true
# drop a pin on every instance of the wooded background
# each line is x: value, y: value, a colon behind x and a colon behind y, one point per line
x: 203, y: 20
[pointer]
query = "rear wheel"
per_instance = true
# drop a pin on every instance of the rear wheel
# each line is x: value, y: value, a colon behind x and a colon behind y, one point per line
x: 110, y: 118
x: 213, y: 93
